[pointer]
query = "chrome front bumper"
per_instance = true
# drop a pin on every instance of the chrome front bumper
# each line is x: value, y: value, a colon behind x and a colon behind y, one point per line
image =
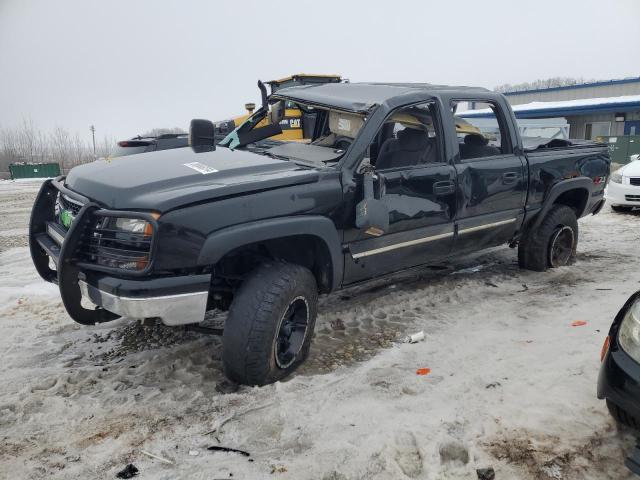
x: 180, y: 309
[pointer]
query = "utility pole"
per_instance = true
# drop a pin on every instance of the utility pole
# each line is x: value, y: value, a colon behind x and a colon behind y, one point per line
x: 93, y: 136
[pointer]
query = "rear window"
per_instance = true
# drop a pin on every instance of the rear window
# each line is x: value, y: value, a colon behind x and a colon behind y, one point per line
x: 168, y: 143
x: 129, y: 148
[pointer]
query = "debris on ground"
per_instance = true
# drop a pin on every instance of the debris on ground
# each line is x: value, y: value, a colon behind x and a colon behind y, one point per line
x: 416, y: 337
x: 218, y: 448
x: 149, y: 454
x: 579, y: 323
x: 129, y: 471
x: 423, y: 371
x: 486, y: 473
x: 338, y: 324
x: 194, y: 453
x: 278, y: 469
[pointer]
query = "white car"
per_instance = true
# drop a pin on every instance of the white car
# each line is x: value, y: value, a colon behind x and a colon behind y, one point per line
x: 623, y: 190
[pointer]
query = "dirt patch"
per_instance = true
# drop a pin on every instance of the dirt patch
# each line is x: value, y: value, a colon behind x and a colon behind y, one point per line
x: 545, y: 456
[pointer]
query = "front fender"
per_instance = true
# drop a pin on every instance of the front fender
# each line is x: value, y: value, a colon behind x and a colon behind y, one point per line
x: 221, y: 242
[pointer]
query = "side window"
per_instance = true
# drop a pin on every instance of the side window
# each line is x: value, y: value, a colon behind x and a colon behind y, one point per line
x: 409, y: 137
x: 482, y: 135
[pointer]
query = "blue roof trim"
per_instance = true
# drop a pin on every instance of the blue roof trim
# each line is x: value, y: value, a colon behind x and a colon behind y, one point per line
x: 565, y: 111
x: 574, y: 87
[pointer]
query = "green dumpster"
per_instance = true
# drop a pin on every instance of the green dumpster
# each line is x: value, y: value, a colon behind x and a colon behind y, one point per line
x: 34, y: 170
x: 621, y: 147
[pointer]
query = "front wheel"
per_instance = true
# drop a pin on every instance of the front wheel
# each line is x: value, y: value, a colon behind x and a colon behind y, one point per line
x: 267, y: 334
x: 553, y: 243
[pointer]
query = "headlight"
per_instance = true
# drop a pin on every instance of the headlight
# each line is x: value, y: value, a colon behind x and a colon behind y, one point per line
x: 123, y: 243
x: 134, y: 225
x: 616, y: 177
x: 629, y: 334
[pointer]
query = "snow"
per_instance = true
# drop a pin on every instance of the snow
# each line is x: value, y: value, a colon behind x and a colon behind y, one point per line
x: 512, y: 383
x: 565, y: 104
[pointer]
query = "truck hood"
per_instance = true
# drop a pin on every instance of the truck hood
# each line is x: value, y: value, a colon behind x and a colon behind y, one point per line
x: 169, y: 179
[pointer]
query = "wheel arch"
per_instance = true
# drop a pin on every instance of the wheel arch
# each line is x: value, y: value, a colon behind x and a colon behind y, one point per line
x: 285, y: 238
x: 573, y: 192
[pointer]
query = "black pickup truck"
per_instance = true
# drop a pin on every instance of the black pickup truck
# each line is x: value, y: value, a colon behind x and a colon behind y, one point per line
x: 393, y: 178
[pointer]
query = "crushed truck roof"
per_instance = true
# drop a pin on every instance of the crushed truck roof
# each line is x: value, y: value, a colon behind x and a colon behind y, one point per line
x: 361, y: 97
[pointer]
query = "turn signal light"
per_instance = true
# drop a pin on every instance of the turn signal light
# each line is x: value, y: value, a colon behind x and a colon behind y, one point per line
x: 605, y: 348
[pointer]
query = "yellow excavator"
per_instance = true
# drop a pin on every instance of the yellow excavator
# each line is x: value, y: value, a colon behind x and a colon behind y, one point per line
x: 292, y: 125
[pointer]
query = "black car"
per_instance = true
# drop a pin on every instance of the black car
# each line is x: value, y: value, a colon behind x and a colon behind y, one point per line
x: 140, y: 144
x: 619, y: 380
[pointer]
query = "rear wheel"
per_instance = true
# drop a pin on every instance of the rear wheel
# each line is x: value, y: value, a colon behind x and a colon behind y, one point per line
x: 268, y: 332
x: 553, y: 243
x: 622, y: 417
x: 621, y: 208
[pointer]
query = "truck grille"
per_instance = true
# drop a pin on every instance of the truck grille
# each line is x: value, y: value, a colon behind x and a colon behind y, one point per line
x: 635, y: 181
x: 632, y: 198
x: 109, y: 247
x: 69, y: 204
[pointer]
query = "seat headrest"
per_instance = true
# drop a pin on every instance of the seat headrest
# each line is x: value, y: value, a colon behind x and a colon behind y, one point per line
x: 345, y: 124
x: 475, y: 139
x: 412, y: 139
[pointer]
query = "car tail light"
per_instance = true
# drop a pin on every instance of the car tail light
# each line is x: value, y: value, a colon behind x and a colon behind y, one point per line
x: 605, y: 348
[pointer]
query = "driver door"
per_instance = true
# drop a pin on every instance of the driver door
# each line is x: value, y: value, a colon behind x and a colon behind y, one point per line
x: 418, y: 187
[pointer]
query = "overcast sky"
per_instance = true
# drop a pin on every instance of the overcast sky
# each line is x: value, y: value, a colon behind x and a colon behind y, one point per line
x: 129, y: 66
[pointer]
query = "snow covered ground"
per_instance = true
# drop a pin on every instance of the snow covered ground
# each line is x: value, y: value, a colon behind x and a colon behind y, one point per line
x: 512, y: 383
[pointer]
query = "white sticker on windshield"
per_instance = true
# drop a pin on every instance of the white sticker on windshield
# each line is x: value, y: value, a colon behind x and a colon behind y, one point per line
x: 200, y: 167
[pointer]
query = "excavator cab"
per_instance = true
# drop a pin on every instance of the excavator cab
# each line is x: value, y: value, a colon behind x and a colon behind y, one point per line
x: 296, y: 125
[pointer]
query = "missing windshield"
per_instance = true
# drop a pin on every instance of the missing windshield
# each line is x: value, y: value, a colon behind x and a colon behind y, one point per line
x: 298, y: 132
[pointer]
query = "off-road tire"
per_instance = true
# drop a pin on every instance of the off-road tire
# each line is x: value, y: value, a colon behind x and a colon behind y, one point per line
x: 622, y: 417
x: 251, y: 329
x: 534, y: 247
x: 621, y: 208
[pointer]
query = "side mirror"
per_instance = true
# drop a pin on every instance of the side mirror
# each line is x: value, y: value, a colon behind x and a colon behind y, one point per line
x: 277, y: 113
x: 202, y: 135
x: 372, y: 215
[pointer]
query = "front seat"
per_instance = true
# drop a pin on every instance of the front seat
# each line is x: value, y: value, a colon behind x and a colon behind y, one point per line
x: 412, y: 147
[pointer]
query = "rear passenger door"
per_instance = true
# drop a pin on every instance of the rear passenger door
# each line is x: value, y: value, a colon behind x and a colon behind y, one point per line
x: 491, y: 177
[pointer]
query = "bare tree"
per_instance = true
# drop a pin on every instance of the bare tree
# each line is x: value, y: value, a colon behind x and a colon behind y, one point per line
x: 156, y: 132
x: 105, y: 148
x: 541, y: 84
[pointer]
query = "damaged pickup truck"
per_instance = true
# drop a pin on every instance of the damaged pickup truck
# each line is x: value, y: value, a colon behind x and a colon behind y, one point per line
x: 392, y: 178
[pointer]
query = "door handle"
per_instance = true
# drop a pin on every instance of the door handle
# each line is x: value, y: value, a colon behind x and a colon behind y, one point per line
x: 509, y: 178
x: 445, y: 187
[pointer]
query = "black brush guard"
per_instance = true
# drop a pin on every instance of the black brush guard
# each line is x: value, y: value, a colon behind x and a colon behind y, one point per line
x: 43, y: 247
